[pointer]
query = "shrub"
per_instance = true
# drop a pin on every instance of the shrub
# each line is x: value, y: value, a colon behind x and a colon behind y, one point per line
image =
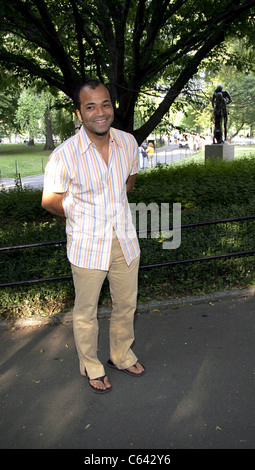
x: 206, y: 191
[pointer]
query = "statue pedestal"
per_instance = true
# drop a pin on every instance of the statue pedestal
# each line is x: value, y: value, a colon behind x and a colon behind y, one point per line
x: 221, y: 151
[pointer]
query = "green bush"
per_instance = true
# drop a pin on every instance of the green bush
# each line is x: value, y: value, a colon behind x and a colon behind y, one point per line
x: 193, y: 185
x: 206, y: 191
x: 22, y: 205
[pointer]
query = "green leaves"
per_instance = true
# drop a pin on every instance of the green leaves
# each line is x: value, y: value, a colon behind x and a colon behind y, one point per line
x: 130, y: 45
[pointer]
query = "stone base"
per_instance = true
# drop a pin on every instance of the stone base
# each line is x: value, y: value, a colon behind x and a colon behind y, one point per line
x: 221, y: 151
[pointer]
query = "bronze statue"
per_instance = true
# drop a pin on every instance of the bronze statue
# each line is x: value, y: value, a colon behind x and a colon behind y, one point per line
x: 220, y: 100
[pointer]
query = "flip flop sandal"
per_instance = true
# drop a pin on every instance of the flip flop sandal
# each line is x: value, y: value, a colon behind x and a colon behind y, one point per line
x: 110, y: 364
x: 98, y: 390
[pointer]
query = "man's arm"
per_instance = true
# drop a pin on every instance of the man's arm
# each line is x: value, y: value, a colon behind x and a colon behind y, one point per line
x: 130, y: 182
x: 52, y: 202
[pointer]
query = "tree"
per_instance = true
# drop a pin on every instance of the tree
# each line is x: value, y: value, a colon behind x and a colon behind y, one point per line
x: 243, y: 109
x: 8, y: 106
x: 128, y: 44
x: 238, y: 79
x: 29, y: 113
x: 9, y: 94
x: 34, y: 114
x: 240, y: 82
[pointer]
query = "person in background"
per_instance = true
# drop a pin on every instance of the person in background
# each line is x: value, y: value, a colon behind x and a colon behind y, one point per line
x: 143, y: 155
x: 150, y: 154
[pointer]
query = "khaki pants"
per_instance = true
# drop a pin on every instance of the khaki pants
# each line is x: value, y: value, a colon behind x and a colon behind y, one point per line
x: 123, y: 289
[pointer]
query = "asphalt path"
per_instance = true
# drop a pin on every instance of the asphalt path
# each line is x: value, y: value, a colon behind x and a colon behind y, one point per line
x: 167, y: 154
x: 197, y: 392
x: 34, y: 181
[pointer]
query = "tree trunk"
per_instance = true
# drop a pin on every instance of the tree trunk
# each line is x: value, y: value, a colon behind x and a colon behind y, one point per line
x: 31, y: 140
x: 49, y: 138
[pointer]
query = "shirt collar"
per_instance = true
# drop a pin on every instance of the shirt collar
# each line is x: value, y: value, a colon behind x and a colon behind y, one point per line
x: 85, y: 142
x: 114, y: 136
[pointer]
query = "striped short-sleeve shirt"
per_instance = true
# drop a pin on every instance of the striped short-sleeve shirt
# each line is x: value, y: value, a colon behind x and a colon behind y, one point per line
x: 96, y: 201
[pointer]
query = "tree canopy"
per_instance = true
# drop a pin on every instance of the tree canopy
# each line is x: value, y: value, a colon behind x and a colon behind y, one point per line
x: 130, y: 45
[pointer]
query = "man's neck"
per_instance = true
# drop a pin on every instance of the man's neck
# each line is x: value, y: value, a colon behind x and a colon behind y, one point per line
x: 102, y: 144
x: 97, y: 139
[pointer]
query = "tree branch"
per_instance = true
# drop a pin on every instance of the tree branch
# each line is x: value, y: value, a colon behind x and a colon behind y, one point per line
x: 186, y: 74
x: 30, y: 65
x: 47, y: 39
x: 188, y: 43
x: 159, y: 16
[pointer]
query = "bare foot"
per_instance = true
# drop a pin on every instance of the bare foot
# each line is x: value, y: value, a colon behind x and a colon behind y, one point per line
x: 100, y: 384
x: 136, y: 368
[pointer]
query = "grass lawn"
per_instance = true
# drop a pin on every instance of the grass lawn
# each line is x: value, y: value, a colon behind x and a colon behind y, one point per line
x: 23, y: 159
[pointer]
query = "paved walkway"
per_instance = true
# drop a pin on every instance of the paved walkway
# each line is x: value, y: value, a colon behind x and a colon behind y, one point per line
x: 35, y: 181
x: 197, y: 393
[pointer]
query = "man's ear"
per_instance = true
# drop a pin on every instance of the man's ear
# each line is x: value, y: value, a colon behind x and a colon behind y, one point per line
x: 79, y: 115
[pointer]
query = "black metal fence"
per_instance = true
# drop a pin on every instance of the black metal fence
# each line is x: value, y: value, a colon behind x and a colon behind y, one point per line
x: 232, y: 245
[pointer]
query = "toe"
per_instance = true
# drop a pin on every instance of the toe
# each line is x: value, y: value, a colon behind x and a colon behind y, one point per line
x: 136, y: 368
x: 101, y: 383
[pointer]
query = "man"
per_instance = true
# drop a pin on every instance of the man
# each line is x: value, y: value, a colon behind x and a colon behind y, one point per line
x: 86, y: 181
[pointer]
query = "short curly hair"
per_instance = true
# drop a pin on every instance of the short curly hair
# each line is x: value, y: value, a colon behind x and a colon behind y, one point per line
x: 91, y: 83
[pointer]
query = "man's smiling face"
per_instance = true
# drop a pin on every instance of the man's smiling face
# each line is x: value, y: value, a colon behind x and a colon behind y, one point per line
x: 96, y: 110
